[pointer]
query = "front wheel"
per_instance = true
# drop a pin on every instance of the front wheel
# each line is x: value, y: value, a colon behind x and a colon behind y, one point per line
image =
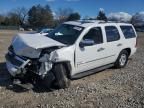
x: 122, y: 59
x: 61, y: 77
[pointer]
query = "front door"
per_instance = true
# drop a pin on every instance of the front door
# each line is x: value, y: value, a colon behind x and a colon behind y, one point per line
x: 92, y: 55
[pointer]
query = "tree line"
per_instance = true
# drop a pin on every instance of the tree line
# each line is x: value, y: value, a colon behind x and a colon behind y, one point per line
x: 38, y: 16
x: 41, y: 16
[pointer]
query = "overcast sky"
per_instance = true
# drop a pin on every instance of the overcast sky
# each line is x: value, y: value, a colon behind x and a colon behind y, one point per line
x: 84, y: 7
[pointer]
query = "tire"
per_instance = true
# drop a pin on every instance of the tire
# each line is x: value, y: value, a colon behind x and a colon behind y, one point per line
x: 60, y: 76
x: 122, y: 59
x: 47, y: 82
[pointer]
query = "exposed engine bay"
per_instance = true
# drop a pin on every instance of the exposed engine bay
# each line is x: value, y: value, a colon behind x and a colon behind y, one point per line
x: 44, y: 64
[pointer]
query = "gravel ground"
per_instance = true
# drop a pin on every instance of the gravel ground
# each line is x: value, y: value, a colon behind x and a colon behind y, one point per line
x: 112, y: 88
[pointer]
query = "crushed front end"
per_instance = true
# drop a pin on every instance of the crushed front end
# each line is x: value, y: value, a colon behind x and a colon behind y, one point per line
x: 27, y: 70
x: 19, y: 66
x: 30, y: 54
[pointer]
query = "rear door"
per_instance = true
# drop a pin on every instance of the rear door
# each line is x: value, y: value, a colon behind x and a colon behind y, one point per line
x: 114, y: 42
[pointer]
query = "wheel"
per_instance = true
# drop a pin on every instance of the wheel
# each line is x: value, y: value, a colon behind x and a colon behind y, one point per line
x: 60, y: 76
x: 122, y: 59
x: 47, y: 82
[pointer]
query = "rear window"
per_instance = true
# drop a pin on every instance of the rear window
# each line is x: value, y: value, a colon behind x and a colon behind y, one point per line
x: 128, y: 32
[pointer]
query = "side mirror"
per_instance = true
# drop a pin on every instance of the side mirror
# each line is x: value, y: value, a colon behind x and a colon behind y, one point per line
x: 86, y: 42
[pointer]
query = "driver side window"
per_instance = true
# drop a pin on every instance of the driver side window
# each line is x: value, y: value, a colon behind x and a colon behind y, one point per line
x: 94, y: 34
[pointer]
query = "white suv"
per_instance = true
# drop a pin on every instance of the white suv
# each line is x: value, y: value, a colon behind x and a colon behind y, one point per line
x: 73, y: 50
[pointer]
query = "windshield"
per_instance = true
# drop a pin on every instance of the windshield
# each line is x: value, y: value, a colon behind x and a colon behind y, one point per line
x: 66, y: 34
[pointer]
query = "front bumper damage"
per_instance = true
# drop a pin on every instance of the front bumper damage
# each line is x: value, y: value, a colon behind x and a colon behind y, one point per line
x: 31, y: 54
x: 19, y: 66
x: 15, y: 64
x: 27, y: 70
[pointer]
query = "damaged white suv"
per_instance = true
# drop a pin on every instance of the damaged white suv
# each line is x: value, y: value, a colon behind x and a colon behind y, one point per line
x: 73, y: 50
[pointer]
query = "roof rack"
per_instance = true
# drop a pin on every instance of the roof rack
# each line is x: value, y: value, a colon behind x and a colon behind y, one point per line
x: 91, y: 21
x: 114, y: 22
x: 96, y: 21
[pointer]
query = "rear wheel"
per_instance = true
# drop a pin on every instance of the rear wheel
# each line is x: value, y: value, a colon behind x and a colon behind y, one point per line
x: 122, y: 59
x: 61, y: 77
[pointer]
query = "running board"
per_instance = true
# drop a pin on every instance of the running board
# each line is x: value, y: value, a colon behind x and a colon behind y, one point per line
x: 92, y: 71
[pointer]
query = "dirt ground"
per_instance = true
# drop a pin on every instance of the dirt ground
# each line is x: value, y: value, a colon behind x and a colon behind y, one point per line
x: 111, y: 88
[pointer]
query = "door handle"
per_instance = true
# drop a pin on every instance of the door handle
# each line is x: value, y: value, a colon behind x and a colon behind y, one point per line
x: 118, y: 45
x: 100, y: 49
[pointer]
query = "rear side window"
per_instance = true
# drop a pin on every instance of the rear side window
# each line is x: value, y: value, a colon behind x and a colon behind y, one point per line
x: 128, y: 32
x: 112, y: 33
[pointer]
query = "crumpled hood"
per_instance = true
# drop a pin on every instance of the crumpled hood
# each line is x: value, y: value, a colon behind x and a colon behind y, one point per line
x: 30, y: 45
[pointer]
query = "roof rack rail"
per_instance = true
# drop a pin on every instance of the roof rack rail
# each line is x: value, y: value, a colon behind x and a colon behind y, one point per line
x: 97, y: 21
x: 114, y: 22
x: 91, y: 21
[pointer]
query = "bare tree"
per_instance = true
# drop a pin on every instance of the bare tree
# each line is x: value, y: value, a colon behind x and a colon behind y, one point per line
x: 21, y: 14
x: 63, y: 14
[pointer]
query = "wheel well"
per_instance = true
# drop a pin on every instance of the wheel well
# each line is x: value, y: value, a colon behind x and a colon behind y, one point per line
x: 67, y: 66
x: 128, y: 50
x: 68, y: 69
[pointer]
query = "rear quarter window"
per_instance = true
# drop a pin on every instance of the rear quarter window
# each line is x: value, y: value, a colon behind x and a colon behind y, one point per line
x: 128, y: 31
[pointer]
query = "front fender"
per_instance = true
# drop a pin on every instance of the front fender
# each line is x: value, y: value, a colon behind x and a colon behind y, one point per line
x: 64, y: 55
